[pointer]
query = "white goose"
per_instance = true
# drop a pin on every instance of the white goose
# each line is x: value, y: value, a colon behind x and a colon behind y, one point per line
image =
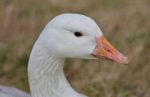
x: 66, y: 36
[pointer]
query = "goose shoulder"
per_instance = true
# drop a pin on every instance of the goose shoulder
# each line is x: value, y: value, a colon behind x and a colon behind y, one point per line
x: 6, y: 91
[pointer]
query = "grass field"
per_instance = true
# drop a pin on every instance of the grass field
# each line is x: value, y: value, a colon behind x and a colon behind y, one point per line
x: 126, y: 23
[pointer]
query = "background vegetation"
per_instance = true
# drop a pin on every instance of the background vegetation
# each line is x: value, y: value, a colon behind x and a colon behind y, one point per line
x: 126, y: 23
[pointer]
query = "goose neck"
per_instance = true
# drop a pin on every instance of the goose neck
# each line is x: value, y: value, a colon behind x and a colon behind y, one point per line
x: 46, y: 76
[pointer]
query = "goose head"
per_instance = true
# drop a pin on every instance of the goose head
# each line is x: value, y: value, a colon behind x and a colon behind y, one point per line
x: 78, y: 36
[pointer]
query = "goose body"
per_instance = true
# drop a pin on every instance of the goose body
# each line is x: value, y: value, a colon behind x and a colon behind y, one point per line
x: 12, y: 92
x: 65, y: 36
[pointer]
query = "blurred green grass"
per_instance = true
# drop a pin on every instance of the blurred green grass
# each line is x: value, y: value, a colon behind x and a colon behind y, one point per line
x: 125, y: 23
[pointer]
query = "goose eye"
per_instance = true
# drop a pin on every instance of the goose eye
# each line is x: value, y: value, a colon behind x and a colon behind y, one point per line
x: 78, y: 34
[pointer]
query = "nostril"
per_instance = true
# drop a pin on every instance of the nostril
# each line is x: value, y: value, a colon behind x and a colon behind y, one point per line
x: 108, y: 50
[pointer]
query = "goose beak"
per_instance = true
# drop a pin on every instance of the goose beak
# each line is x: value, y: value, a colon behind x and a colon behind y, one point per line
x: 106, y: 50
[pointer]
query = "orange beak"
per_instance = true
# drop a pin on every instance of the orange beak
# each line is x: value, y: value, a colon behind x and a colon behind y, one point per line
x: 106, y: 50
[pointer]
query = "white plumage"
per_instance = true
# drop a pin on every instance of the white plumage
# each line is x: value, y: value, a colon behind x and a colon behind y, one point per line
x: 57, y: 42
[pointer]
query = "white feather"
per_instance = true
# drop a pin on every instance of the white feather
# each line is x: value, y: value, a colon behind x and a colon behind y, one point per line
x: 57, y: 42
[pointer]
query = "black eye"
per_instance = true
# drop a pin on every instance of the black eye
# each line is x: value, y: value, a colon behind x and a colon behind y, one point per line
x: 78, y: 34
